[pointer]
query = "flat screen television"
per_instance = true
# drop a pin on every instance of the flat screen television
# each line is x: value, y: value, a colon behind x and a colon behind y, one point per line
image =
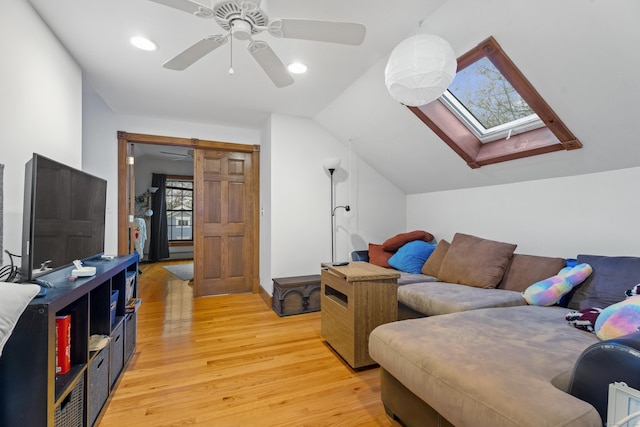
x: 63, y: 217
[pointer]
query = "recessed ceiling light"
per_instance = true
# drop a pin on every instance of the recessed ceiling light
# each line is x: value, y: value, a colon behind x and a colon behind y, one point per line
x: 143, y: 43
x: 297, y: 68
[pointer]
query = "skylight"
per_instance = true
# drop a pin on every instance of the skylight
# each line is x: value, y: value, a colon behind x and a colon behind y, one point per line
x: 485, y: 101
x: 491, y: 113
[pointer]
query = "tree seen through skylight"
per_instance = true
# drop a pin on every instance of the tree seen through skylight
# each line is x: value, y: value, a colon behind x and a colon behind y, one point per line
x: 487, y: 95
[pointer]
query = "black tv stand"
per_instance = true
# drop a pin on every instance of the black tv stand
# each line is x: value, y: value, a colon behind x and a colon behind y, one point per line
x: 33, y: 394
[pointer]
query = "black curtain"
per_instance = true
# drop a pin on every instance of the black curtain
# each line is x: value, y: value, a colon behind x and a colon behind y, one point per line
x: 159, y: 240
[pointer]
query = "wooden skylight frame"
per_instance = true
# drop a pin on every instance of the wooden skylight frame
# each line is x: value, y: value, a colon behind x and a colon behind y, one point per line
x: 554, y: 136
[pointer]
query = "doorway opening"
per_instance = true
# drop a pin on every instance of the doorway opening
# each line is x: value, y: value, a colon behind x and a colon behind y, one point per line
x: 224, y: 218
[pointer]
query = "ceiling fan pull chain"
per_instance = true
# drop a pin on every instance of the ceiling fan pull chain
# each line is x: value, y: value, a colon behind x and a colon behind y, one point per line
x: 230, y: 53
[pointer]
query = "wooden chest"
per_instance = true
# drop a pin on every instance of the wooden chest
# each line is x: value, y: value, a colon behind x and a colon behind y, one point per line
x: 296, y: 295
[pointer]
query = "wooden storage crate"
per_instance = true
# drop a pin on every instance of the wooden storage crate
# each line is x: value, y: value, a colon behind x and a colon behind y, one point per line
x: 296, y: 295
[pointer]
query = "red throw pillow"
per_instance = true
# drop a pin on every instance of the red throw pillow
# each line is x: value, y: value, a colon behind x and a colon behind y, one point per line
x: 379, y: 256
x: 395, y: 242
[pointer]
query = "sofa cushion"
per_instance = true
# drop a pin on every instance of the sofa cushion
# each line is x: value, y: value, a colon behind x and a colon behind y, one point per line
x: 489, y: 368
x: 619, y: 319
x: 407, y: 278
x: 525, y: 270
x: 476, y: 262
x: 549, y: 291
x: 437, y: 298
x: 411, y: 256
x: 432, y: 266
x: 611, y: 277
x: 394, y: 243
x: 379, y: 256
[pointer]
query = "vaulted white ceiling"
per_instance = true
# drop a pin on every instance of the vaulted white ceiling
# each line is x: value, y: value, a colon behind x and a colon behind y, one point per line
x: 97, y: 33
x: 581, y: 55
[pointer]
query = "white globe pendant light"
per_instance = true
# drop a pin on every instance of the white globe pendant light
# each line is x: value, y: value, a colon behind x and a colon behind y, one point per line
x: 420, y: 69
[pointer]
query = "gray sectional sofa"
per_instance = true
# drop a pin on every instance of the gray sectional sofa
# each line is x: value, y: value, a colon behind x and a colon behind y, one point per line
x: 478, y: 355
x: 488, y: 367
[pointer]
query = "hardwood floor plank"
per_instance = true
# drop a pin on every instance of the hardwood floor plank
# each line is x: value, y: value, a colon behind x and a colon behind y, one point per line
x: 231, y: 361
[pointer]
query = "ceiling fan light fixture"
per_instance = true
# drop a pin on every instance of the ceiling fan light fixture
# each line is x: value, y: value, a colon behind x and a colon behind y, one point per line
x: 143, y: 43
x: 241, y: 29
x: 297, y: 68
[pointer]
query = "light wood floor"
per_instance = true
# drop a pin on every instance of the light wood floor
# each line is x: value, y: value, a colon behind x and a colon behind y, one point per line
x: 231, y: 361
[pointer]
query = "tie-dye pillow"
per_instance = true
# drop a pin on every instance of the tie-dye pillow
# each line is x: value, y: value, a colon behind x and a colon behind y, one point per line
x: 619, y: 319
x: 549, y: 291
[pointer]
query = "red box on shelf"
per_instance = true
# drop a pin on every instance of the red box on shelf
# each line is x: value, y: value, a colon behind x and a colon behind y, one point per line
x: 63, y: 344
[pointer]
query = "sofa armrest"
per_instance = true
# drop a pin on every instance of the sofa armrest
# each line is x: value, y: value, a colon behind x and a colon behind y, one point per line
x: 614, y: 360
x: 360, y: 255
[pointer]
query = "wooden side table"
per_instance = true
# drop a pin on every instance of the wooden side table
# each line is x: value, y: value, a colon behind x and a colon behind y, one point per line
x: 356, y: 298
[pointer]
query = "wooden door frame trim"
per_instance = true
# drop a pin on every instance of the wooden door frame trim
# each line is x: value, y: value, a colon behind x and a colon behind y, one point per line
x: 124, y: 227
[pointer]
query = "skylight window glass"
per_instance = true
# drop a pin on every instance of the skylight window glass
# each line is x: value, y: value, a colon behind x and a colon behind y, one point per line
x: 488, y: 104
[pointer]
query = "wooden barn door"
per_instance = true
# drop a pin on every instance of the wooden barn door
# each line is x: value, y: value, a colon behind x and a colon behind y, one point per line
x: 224, y: 237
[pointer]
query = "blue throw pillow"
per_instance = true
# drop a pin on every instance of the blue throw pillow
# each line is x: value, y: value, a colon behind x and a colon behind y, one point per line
x: 411, y: 256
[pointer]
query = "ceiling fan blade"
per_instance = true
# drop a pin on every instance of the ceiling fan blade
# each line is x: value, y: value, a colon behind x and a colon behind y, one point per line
x: 188, y: 6
x: 195, y: 52
x: 270, y: 63
x: 323, y: 31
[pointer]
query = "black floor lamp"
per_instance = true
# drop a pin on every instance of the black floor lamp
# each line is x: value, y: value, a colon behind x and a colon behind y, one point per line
x: 331, y: 164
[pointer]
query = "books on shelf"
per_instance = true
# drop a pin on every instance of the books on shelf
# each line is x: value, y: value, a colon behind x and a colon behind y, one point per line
x: 133, y: 304
x: 63, y: 344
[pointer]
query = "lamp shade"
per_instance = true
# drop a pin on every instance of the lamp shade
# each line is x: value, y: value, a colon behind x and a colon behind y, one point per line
x: 420, y: 69
x: 331, y: 163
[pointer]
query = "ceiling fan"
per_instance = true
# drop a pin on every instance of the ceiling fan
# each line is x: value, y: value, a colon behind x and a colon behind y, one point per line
x: 180, y: 156
x: 242, y: 19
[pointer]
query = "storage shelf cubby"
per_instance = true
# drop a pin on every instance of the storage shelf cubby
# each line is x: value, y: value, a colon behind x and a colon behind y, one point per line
x: 63, y: 381
x: 33, y: 393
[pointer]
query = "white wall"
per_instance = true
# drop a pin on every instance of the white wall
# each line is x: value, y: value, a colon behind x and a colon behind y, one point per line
x: 265, y: 207
x: 300, y: 200
x: 40, y: 106
x: 587, y: 214
x: 100, y: 153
